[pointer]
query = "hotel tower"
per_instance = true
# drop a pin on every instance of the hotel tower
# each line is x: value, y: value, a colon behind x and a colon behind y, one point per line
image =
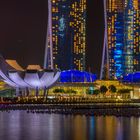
x: 121, y: 51
x: 66, y: 34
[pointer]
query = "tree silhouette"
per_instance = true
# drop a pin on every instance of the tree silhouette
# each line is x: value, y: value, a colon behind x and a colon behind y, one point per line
x: 112, y: 88
x: 103, y: 89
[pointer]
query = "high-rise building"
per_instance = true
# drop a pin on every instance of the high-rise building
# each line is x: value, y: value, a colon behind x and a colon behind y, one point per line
x: 68, y: 33
x: 122, y: 42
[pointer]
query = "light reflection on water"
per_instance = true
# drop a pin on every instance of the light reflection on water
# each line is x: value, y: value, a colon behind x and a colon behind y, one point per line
x: 18, y: 125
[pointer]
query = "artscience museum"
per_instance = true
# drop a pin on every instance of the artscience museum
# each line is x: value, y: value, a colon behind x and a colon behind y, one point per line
x: 25, y: 79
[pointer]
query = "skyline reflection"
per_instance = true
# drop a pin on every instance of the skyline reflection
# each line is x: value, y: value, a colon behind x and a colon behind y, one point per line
x: 21, y: 125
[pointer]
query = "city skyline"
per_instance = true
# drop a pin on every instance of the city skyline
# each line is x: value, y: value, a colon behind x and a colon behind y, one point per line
x: 24, y: 27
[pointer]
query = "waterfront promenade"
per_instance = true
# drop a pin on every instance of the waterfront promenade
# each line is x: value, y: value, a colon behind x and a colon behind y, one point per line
x: 73, y: 106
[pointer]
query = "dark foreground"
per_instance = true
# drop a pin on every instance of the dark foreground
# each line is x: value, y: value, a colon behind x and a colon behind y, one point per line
x: 20, y: 125
x: 88, y: 109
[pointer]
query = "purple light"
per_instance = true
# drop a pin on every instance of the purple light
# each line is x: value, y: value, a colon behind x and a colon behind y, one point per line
x: 28, y: 79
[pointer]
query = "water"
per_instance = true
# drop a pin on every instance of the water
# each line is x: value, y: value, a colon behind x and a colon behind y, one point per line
x: 19, y: 125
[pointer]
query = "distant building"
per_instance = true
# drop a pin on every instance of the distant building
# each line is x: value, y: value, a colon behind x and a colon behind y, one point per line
x: 23, y: 80
x: 131, y: 78
x: 68, y: 33
x: 122, y: 40
x: 76, y: 76
x: 75, y: 81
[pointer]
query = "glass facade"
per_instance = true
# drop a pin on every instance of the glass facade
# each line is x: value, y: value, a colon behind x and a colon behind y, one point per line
x: 132, y: 78
x: 123, y: 27
x: 73, y: 76
x: 69, y: 34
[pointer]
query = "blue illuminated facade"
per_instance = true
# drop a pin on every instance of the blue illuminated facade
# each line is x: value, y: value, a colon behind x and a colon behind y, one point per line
x: 132, y: 78
x: 118, y: 48
x: 75, y: 76
x: 123, y: 30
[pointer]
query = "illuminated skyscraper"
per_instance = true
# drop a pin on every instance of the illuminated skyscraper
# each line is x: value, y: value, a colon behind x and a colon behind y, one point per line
x: 68, y: 25
x: 123, y: 43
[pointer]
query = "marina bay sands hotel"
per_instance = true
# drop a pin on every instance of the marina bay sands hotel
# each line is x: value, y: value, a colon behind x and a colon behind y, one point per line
x: 66, y: 34
x: 121, y: 49
x: 66, y: 37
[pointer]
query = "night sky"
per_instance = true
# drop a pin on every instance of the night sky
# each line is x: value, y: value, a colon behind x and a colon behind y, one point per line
x: 23, y: 26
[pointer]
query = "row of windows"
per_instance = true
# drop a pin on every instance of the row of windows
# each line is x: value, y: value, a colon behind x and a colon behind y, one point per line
x: 69, y: 30
x: 123, y: 35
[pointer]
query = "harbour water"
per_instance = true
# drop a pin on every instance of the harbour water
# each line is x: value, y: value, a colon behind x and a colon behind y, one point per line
x: 20, y: 125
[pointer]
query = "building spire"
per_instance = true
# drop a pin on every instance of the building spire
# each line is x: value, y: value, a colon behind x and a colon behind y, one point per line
x: 48, y: 59
x: 104, y: 72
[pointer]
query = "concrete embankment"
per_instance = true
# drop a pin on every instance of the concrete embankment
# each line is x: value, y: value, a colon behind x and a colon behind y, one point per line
x: 118, y: 110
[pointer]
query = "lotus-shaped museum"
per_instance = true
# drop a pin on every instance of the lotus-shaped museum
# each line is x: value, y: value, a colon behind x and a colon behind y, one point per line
x: 24, y: 79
